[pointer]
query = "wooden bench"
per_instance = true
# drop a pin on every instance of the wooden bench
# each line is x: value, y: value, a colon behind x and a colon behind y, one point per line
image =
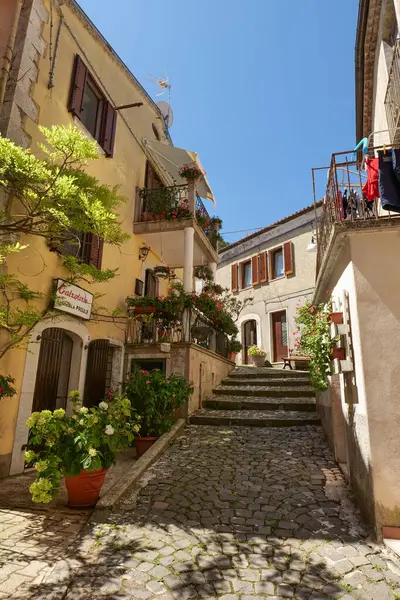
x: 288, y: 359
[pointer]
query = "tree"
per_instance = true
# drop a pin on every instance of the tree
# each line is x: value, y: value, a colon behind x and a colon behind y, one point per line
x: 53, y: 198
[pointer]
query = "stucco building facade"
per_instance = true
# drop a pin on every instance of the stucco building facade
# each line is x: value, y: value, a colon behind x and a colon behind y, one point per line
x: 357, y: 265
x: 273, y: 270
x: 59, y: 70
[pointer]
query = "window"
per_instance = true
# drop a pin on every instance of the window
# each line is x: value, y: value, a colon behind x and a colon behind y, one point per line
x: 85, y: 246
x: 277, y: 263
x: 89, y: 104
x: 246, y: 274
x: 92, y: 104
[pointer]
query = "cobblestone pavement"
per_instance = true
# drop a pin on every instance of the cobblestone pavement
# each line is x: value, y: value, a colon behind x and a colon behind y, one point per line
x: 229, y: 513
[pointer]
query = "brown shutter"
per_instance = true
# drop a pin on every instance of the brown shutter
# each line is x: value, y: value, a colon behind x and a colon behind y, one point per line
x: 263, y: 267
x: 235, y: 275
x: 48, y: 370
x: 254, y: 270
x: 77, y: 86
x: 96, y: 250
x: 96, y: 372
x: 288, y: 258
x: 107, y: 131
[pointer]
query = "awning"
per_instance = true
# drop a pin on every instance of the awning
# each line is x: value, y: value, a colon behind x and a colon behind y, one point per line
x: 170, y: 159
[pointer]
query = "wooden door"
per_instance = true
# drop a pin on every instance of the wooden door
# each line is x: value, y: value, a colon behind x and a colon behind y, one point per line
x: 279, y: 335
x: 249, y: 337
x: 47, y: 382
x: 96, y: 372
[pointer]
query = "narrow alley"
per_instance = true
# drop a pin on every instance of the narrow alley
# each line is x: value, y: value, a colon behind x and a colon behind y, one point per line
x: 228, y: 512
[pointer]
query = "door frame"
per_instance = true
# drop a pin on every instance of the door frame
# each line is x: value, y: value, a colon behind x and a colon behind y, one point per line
x: 260, y: 336
x: 271, y: 332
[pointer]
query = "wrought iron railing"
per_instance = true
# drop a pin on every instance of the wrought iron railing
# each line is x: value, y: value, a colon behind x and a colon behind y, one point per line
x: 392, y: 98
x: 205, y: 222
x: 161, y: 203
x: 344, y: 204
x: 193, y: 327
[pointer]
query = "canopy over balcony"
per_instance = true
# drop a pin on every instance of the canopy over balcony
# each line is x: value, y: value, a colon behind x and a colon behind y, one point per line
x: 170, y: 159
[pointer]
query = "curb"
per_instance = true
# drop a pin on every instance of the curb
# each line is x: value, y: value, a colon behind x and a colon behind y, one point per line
x: 108, y: 501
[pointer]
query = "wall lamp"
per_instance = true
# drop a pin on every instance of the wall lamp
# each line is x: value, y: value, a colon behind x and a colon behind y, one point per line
x: 143, y: 253
x: 312, y: 247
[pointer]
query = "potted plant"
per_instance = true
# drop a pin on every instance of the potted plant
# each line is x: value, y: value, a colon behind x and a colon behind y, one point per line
x: 258, y: 355
x: 336, y: 317
x: 147, y: 216
x: 216, y: 222
x: 234, y: 347
x: 80, y: 447
x: 179, y: 212
x: 339, y: 353
x: 156, y: 399
x: 6, y: 388
x: 203, y: 272
x: 161, y: 271
x: 141, y: 305
x: 191, y: 172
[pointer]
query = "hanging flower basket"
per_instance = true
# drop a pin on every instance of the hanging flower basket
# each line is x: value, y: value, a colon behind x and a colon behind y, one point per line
x: 203, y: 272
x: 191, y: 172
x: 336, y: 317
x: 216, y: 222
x: 162, y: 271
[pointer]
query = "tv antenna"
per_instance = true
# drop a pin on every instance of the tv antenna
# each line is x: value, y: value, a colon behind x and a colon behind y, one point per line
x: 162, y: 82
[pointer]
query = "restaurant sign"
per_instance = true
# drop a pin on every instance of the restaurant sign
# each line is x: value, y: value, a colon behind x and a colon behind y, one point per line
x: 73, y: 299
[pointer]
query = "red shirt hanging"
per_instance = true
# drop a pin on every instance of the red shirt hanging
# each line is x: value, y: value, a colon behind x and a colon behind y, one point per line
x: 371, y: 188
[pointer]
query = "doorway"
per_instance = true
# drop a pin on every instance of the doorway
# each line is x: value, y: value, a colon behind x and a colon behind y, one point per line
x: 249, y: 338
x: 279, y: 335
x: 53, y: 371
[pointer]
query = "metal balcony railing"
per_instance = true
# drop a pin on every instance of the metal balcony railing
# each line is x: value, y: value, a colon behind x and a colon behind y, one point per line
x: 172, y: 203
x: 392, y: 98
x: 344, y: 205
x: 193, y: 327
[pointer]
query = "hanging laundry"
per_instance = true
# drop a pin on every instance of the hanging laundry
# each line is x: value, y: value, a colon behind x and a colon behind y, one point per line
x: 345, y: 204
x: 396, y: 163
x: 371, y: 187
x: 389, y: 186
x: 368, y: 206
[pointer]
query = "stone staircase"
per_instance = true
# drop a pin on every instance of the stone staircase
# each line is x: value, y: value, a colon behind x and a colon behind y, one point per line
x: 260, y: 397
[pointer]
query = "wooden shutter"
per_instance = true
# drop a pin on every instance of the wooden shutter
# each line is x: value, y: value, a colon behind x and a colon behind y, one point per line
x: 96, y: 250
x: 254, y: 270
x: 235, y: 276
x: 150, y: 286
x: 263, y: 267
x: 48, y: 370
x: 288, y: 258
x: 96, y: 372
x: 77, y: 86
x: 107, y: 131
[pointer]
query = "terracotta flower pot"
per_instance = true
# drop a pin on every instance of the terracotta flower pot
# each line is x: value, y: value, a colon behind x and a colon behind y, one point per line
x: 143, y: 444
x: 164, y: 334
x: 232, y: 356
x: 258, y: 360
x: 336, y: 317
x: 146, y: 216
x: 338, y: 353
x: 144, y: 310
x: 84, y: 489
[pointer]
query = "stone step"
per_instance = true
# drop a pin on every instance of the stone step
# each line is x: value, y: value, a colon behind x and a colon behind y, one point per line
x: 267, y: 373
x: 256, y: 418
x: 266, y: 390
x: 259, y: 403
x: 289, y: 381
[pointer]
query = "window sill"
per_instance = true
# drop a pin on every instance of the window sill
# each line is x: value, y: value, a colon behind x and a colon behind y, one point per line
x: 88, y: 135
x: 277, y: 278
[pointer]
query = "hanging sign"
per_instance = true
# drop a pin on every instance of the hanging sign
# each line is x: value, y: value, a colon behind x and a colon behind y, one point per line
x: 73, y: 299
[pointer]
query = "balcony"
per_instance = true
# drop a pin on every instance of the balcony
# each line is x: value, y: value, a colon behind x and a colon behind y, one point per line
x: 343, y: 207
x: 162, y: 216
x: 392, y: 98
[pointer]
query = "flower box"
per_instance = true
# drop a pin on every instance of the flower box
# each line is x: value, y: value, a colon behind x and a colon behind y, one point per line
x: 143, y: 310
x: 336, y: 317
x: 338, y: 353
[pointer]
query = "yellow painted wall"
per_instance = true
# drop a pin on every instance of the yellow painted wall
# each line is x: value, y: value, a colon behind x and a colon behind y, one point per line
x: 36, y: 265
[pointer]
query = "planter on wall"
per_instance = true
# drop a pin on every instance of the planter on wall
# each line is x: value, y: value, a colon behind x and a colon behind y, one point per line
x: 143, y: 310
x: 338, y: 353
x: 258, y: 361
x: 336, y: 317
x: 232, y: 356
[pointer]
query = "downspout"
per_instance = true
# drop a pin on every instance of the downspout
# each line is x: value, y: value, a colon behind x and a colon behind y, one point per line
x: 359, y: 67
x: 8, y: 56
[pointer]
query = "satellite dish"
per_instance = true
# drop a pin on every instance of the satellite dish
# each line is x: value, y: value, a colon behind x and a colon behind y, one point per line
x: 166, y: 112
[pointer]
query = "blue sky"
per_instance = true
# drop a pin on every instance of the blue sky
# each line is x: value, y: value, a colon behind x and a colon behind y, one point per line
x: 263, y: 90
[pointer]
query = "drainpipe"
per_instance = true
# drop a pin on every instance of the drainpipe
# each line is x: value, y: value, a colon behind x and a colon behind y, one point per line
x: 7, y: 58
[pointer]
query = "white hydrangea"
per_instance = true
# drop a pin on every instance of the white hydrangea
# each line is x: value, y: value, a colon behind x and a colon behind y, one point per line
x: 83, y: 409
x: 92, y: 452
x: 103, y: 405
x: 109, y: 430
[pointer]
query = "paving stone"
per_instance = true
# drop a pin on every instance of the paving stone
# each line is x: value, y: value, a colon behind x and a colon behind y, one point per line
x: 285, y: 591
